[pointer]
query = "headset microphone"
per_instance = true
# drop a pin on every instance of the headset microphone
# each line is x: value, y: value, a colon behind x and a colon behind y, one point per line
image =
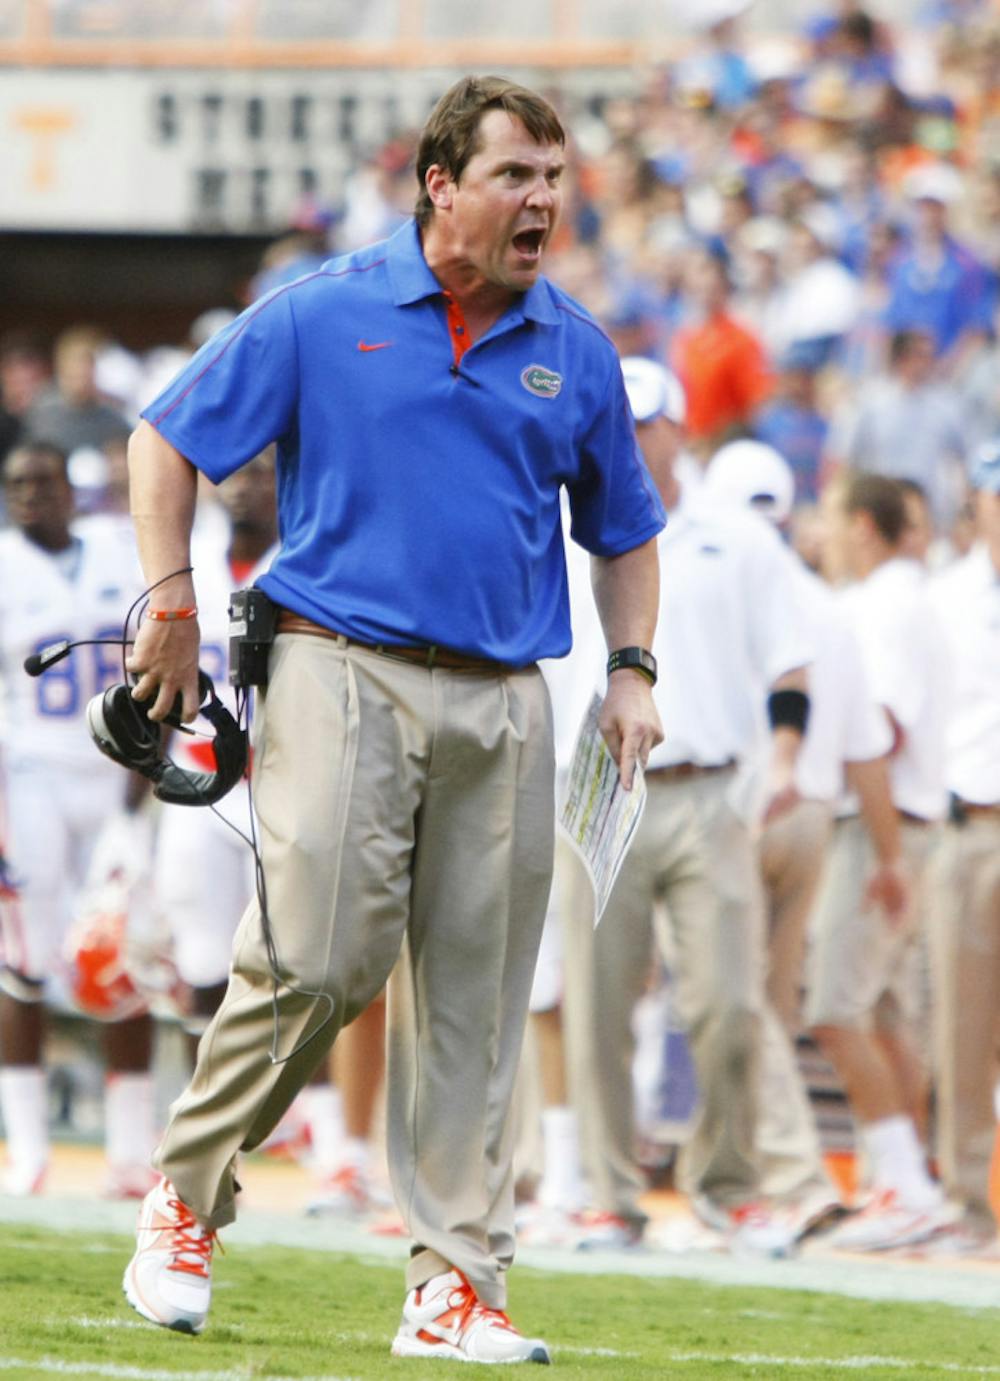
x: 48, y: 656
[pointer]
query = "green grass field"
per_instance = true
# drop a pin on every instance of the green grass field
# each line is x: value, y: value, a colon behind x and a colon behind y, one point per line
x: 280, y: 1312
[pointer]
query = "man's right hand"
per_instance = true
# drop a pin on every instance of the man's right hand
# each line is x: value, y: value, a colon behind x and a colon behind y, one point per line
x: 165, y: 659
x: 889, y: 890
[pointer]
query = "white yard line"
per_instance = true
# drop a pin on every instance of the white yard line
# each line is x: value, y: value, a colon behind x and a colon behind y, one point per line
x: 756, y: 1359
x: 52, y: 1366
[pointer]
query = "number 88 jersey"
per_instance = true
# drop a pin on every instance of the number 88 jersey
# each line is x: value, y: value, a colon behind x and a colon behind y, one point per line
x: 45, y: 598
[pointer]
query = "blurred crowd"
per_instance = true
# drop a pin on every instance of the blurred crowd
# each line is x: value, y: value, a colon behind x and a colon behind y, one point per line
x: 802, y: 228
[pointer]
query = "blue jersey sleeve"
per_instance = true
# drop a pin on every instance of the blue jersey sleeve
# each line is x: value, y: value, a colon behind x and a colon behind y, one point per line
x: 237, y: 394
x: 613, y: 503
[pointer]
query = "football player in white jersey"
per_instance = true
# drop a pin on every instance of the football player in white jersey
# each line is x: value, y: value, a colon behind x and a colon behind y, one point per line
x: 204, y: 869
x: 58, y: 581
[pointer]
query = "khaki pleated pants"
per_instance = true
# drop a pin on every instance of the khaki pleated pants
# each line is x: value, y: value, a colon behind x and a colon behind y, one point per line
x: 964, y: 914
x: 404, y: 814
x: 691, y: 852
x: 792, y: 853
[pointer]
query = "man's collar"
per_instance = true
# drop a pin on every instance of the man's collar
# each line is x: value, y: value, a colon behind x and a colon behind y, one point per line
x: 412, y: 280
x: 409, y: 273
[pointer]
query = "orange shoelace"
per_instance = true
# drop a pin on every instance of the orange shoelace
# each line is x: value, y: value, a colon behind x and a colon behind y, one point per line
x: 189, y: 1238
x: 466, y: 1304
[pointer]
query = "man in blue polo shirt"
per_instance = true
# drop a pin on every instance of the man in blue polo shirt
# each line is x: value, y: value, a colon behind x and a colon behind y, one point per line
x: 429, y: 397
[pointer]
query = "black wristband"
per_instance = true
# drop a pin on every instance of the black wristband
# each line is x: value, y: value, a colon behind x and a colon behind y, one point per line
x: 636, y: 658
x: 788, y: 709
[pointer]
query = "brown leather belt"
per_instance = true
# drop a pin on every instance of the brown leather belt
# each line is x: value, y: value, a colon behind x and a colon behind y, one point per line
x: 431, y: 656
x: 681, y: 771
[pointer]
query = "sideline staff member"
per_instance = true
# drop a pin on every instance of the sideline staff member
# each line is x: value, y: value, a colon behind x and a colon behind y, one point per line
x: 429, y: 396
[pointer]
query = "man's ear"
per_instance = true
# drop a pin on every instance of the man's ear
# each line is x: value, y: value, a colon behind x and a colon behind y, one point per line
x: 440, y: 186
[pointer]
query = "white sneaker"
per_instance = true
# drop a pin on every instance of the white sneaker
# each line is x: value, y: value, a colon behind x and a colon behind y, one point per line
x: 886, y: 1223
x: 811, y: 1214
x: 169, y: 1280
x: 348, y: 1193
x: 749, y: 1227
x: 960, y: 1240
x: 547, y: 1225
x: 445, y: 1318
x: 129, y: 1181
x: 599, y: 1229
x: 22, y: 1178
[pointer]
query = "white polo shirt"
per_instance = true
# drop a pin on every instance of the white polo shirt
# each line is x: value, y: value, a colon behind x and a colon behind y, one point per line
x: 967, y: 599
x: 904, y: 648
x: 729, y: 626
x: 845, y: 722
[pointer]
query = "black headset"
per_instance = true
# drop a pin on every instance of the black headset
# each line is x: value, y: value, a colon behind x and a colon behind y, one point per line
x: 122, y: 729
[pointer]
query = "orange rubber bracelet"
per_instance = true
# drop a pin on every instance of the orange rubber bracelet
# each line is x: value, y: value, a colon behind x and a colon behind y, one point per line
x: 172, y: 615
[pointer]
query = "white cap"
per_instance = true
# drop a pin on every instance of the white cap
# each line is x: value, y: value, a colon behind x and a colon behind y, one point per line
x: 763, y: 235
x: 934, y: 182
x: 753, y: 475
x: 653, y: 391
x: 820, y: 219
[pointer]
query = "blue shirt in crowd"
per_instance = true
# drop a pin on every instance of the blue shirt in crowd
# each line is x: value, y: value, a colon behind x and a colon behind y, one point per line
x: 959, y: 296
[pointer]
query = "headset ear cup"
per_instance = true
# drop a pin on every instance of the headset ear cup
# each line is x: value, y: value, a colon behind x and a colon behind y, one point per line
x: 175, y: 786
x: 121, y: 730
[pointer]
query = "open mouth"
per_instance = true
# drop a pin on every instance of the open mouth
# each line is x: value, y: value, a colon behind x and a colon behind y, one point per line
x: 528, y: 243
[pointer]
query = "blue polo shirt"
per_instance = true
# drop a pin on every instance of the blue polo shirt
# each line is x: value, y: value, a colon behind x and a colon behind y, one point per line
x: 418, y: 495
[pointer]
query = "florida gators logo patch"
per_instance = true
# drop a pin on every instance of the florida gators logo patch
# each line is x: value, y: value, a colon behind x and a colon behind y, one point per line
x: 544, y: 383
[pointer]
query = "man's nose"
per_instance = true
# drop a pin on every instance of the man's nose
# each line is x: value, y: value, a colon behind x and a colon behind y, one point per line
x: 542, y: 193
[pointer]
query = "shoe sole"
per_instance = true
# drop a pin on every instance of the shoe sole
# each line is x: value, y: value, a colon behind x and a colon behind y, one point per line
x: 914, y: 1238
x: 447, y: 1352
x: 133, y: 1298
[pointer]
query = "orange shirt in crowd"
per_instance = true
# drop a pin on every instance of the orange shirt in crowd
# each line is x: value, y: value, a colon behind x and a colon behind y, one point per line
x: 725, y: 375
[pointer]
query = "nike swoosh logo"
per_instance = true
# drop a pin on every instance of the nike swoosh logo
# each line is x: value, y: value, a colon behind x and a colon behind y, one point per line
x: 378, y: 345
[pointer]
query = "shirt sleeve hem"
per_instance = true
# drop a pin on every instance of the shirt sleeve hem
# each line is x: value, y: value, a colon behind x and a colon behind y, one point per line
x: 190, y: 453
x: 627, y: 543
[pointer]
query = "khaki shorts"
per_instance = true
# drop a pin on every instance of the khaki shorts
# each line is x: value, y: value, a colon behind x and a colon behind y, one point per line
x: 861, y: 970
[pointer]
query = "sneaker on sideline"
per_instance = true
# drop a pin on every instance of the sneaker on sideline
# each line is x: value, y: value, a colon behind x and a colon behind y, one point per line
x: 599, y: 1230
x: 445, y: 1318
x: 811, y: 1214
x: 886, y: 1223
x: 22, y: 1179
x: 752, y: 1227
x: 963, y: 1240
x: 169, y: 1279
x: 681, y: 1233
x: 345, y: 1194
x: 129, y: 1181
x: 547, y: 1225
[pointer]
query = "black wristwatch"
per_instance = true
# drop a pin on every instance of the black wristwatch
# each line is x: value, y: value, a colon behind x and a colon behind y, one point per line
x: 635, y: 657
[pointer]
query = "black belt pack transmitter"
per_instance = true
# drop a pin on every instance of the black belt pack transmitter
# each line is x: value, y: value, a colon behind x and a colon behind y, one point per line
x: 252, y: 622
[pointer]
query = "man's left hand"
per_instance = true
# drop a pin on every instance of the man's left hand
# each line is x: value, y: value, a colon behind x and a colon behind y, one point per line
x: 629, y: 722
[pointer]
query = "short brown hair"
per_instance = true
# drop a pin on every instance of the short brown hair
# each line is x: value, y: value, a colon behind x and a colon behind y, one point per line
x: 451, y: 135
x: 882, y: 499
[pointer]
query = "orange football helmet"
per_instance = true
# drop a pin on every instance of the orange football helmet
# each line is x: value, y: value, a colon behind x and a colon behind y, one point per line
x: 100, y: 983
